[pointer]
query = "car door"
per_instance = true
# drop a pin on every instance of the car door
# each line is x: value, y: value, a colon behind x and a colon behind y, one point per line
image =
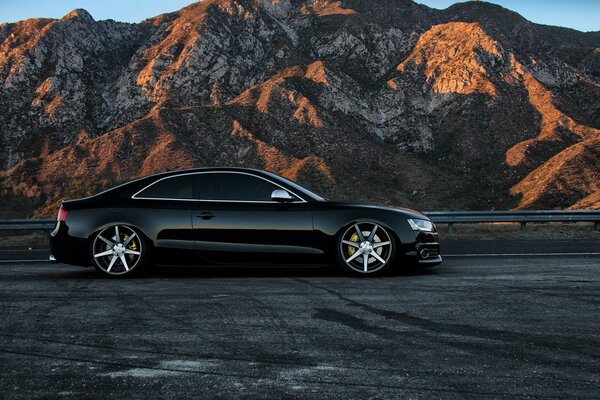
x: 237, y: 222
x: 164, y: 210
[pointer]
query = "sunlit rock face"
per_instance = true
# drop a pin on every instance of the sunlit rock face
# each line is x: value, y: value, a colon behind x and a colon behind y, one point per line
x: 387, y: 101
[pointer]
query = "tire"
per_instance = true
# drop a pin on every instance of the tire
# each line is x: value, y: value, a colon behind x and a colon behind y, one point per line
x: 119, y: 251
x: 368, y: 238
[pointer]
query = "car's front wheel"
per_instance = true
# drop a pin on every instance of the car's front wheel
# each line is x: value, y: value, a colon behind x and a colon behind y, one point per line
x: 118, y: 251
x: 366, y: 248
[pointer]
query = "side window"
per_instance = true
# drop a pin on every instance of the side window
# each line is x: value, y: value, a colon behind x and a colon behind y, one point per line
x: 177, y: 187
x: 233, y: 186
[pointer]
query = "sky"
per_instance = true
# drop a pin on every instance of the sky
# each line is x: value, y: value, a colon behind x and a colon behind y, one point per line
x: 583, y: 15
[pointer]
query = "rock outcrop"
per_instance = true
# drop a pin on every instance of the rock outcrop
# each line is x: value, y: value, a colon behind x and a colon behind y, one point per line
x: 387, y: 101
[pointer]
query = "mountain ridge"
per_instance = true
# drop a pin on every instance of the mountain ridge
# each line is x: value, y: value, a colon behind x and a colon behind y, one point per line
x: 455, y: 108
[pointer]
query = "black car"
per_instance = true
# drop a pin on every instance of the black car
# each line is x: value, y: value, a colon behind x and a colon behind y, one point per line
x: 235, y: 216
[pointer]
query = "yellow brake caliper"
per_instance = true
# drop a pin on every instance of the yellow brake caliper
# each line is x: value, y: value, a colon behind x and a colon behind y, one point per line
x: 353, y: 238
x: 132, y: 245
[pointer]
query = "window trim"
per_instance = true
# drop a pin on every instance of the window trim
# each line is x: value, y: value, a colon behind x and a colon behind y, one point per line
x: 136, y: 197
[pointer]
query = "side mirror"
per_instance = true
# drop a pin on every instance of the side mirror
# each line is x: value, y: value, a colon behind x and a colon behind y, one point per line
x: 281, y: 196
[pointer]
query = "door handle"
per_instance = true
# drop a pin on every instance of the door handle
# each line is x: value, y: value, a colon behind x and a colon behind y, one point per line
x: 206, y: 215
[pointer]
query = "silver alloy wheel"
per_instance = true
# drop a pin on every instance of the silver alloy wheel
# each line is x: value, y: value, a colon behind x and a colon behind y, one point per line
x: 117, y: 250
x: 366, y: 247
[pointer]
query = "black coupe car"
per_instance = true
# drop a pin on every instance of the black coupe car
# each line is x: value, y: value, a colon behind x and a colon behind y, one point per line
x: 235, y: 216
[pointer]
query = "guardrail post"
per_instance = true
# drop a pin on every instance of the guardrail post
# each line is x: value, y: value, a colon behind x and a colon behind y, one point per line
x: 450, y: 228
x: 523, y: 226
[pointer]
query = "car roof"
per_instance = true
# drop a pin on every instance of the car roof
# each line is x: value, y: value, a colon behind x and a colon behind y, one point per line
x: 206, y: 169
x: 125, y: 189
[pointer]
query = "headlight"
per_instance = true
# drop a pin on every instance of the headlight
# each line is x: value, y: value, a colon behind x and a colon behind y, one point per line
x: 421, y: 225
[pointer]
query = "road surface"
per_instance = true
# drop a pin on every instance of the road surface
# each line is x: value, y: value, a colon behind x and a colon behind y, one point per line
x: 474, y: 327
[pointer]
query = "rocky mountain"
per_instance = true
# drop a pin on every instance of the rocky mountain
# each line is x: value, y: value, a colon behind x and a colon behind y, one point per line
x: 472, y: 107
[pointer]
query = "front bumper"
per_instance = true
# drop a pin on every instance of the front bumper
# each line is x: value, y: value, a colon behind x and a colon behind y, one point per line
x: 429, y: 253
x: 431, y: 261
x: 425, y: 250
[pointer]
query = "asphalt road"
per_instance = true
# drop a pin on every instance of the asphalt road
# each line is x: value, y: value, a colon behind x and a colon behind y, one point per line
x: 471, y: 328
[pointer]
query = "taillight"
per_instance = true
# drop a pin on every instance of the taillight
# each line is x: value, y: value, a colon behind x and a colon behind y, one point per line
x: 62, y: 215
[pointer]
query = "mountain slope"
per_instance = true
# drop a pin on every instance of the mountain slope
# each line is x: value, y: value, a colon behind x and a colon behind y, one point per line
x: 468, y: 107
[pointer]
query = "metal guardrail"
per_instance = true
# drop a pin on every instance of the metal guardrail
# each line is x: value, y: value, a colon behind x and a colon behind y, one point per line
x: 46, y: 225
x: 27, y: 224
x: 439, y: 217
x: 521, y: 216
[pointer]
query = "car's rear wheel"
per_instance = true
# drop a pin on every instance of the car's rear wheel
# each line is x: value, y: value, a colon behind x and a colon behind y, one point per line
x: 366, y: 248
x: 118, y: 251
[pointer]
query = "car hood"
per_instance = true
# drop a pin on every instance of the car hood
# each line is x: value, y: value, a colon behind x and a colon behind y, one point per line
x: 407, y: 212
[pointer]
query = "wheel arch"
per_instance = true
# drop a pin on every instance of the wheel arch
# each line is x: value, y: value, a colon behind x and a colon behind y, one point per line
x: 343, y: 228
x: 119, y: 246
x: 100, y: 228
x: 385, y: 261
